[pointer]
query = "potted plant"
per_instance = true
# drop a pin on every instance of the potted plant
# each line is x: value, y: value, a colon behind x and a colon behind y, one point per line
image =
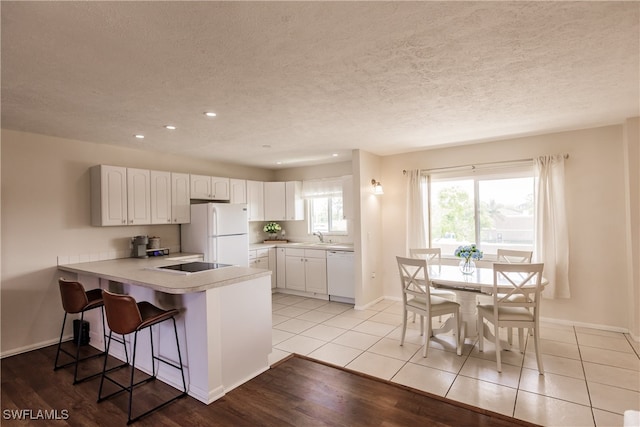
x: 272, y: 228
x: 468, y: 253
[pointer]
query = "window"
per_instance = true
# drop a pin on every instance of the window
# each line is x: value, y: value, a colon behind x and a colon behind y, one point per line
x: 326, y: 215
x: 494, y: 210
x: 325, y: 205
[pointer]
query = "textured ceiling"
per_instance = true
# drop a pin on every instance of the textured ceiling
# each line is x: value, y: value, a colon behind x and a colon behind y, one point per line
x: 308, y: 79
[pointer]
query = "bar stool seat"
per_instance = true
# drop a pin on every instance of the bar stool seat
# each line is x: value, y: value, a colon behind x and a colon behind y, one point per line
x: 76, y: 300
x: 126, y: 316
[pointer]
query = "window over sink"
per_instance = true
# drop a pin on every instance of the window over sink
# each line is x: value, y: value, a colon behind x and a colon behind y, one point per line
x: 325, y: 205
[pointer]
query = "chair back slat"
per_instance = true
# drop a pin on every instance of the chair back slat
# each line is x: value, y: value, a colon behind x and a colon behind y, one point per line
x: 414, y: 278
x: 516, y: 285
x: 513, y: 256
x: 431, y: 255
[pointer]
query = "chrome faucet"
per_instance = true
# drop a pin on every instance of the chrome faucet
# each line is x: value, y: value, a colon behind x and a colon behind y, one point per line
x: 320, y: 236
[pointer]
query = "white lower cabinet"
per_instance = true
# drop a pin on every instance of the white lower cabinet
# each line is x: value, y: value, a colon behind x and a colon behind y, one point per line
x: 259, y: 258
x: 306, y: 270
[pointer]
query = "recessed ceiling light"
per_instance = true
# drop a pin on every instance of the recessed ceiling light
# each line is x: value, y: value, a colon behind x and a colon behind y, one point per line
x: 278, y: 163
x: 334, y: 155
x: 170, y: 127
x: 139, y: 136
x: 210, y: 114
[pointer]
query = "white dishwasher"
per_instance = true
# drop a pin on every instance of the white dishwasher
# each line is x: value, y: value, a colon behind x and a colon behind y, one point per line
x: 340, y: 276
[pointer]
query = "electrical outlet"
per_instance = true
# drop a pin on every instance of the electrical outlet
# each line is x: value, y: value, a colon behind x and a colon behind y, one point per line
x: 373, y: 275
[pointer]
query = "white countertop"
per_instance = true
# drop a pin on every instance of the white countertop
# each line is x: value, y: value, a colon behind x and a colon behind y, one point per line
x: 305, y: 245
x: 140, y: 271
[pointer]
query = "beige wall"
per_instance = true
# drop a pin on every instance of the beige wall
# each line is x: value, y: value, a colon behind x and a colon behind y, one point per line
x: 598, y: 225
x: 368, y: 229
x: 46, y: 214
x: 632, y: 178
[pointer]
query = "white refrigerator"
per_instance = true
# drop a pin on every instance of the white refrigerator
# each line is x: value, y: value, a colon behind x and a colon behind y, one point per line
x: 220, y: 231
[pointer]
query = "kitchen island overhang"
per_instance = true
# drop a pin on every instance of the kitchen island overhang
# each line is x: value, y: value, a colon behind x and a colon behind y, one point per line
x: 224, y: 326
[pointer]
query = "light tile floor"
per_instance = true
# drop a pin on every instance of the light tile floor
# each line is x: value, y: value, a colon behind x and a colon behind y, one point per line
x: 591, y: 376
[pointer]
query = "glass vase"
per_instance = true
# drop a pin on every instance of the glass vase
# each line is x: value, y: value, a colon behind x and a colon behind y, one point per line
x: 467, y: 266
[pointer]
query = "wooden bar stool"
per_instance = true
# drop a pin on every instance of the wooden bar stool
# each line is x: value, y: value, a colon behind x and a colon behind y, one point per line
x: 126, y: 316
x: 76, y: 300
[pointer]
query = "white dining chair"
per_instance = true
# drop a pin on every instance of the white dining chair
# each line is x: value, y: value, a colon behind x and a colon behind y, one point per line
x: 433, y: 256
x: 509, y: 256
x: 516, y: 304
x: 417, y: 298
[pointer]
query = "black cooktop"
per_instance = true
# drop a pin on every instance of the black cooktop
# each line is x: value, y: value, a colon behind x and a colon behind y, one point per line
x: 194, y: 267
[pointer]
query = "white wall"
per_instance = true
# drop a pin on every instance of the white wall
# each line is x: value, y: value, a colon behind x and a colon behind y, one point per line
x: 46, y: 214
x: 597, y: 193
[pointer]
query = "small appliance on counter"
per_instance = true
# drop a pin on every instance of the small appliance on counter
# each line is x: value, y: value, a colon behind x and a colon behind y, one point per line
x: 154, y: 243
x: 139, y: 244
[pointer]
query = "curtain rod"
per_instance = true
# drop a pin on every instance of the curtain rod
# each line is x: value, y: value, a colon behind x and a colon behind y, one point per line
x: 473, y: 166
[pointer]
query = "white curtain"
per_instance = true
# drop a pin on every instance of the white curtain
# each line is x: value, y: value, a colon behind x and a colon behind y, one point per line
x: 329, y: 187
x: 552, y: 236
x: 416, y: 228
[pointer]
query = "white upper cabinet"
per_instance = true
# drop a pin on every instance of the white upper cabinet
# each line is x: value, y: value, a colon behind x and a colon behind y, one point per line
x: 209, y: 187
x: 200, y: 187
x: 274, y: 201
x: 180, y: 198
x: 238, y: 189
x: 220, y: 188
x: 294, y: 204
x: 108, y: 195
x: 160, y: 197
x: 138, y: 196
x: 255, y: 200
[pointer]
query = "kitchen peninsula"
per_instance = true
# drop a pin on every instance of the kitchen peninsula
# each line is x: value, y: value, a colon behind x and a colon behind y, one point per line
x: 224, y: 326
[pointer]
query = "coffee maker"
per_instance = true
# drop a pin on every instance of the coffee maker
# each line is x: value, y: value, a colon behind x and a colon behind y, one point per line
x: 139, y: 246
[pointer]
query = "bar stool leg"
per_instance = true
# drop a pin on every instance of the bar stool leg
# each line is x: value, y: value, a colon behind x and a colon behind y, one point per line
x: 76, y: 358
x: 55, y: 364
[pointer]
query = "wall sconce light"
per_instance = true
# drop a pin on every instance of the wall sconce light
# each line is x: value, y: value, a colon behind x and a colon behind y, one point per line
x: 377, y: 187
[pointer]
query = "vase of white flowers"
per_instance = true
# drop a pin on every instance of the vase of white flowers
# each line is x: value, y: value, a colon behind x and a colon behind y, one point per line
x: 272, y: 228
x: 468, y: 254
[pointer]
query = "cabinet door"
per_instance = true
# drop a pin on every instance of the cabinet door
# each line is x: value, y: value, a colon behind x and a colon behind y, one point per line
x: 281, y: 260
x: 274, y: 197
x: 238, y: 189
x: 180, y: 198
x: 273, y: 267
x: 316, y: 275
x: 219, y: 188
x: 201, y: 187
x: 294, y: 204
x: 138, y: 196
x: 108, y: 195
x: 160, y: 197
x: 294, y: 271
x: 255, y: 201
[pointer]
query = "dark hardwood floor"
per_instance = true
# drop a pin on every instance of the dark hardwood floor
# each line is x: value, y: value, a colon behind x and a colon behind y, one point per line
x: 296, y: 392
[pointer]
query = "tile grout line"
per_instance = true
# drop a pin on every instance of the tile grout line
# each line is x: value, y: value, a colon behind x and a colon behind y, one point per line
x: 526, y: 346
x: 584, y: 372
